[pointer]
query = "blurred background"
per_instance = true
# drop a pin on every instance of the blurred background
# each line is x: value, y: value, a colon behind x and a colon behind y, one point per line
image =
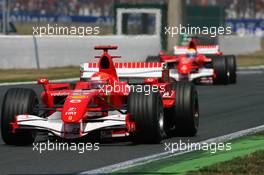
x: 22, y: 14
x: 136, y: 26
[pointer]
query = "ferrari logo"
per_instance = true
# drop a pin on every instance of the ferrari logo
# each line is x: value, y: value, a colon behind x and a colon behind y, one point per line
x: 70, y: 118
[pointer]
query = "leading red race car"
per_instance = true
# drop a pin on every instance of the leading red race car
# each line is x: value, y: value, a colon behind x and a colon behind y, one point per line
x: 92, y: 106
x: 199, y: 64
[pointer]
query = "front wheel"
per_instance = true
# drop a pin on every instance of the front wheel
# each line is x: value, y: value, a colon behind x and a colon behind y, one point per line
x: 17, y: 101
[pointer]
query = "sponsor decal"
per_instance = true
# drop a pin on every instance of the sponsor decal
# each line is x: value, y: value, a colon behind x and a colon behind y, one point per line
x: 70, y: 113
x: 78, y: 97
x: 167, y: 94
x: 75, y: 101
x: 59, y: 94
x: 72, y: 109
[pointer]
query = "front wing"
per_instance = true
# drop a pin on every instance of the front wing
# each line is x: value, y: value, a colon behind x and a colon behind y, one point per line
x: 202, y: 73
x: 56, y: 126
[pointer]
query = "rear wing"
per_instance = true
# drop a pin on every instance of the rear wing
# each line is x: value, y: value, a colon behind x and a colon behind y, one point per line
x: 127, y: 69
x: 209, y: 49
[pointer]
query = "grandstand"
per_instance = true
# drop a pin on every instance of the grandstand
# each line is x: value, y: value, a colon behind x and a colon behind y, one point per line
x: 234, y: 9
x: 70, y: 7
x: 245, y: 14
x: 124, y: 22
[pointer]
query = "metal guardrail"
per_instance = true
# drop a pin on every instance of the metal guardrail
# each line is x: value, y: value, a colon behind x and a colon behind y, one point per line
x: 56, y: 51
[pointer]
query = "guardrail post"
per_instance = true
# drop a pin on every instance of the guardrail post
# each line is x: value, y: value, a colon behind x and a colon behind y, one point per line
x: 36, y: 52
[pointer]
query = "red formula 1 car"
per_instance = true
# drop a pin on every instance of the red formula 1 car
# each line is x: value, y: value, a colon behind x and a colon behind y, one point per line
x: 101, y: 102
x: 199, y: 64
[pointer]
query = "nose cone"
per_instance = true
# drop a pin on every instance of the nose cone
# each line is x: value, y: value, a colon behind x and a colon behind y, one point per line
x: 185, y: 67
x: 76, y: 104
x: 74, y: 108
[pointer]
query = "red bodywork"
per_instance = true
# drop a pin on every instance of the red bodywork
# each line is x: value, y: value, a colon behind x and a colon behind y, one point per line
x: 185, y: 65
x: 89, y: 97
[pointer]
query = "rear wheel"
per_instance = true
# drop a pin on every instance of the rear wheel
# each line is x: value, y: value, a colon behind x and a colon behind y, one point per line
x: 231, y: 68
x: 147, y: 113
x: 17, y: 101
x: 153, y: 59
x: 220, y: 69
x: 184, y: 115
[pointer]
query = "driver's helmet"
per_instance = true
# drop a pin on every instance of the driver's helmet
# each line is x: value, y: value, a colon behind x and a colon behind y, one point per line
x: 97, y: 80
x: 191, y: 53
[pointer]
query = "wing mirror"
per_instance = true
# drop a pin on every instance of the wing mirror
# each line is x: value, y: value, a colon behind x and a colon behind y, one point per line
x: 43, y: 81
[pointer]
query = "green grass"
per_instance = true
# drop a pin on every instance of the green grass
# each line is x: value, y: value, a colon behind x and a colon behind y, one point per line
x: 14, y: 75
x: 250, y: 164
x: 247, y: 165
x: 205, y: 163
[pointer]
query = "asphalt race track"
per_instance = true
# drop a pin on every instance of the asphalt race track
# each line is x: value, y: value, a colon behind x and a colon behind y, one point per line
x: 224, y: 109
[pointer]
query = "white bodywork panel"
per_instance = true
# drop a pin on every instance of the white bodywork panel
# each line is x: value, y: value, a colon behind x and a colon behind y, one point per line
x: 55, y: 125
x: 202, y: 73
x: 211, y: 49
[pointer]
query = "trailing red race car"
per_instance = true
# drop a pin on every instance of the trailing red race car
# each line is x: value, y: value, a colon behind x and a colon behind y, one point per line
x: 199, y: 64
x: 92, y: 106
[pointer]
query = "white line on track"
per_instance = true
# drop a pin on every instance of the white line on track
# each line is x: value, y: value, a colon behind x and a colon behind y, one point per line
x: 159, y: 156
x: 251, y: 67
x: 250, y: 72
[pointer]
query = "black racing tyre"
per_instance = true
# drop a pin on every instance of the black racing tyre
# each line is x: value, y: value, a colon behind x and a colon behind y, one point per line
x: 184, y: 115
x: 153, y: 59
x: 231, y: 68
x: 17, y: 101
x: 147, y: 113
x: 220, y: 69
